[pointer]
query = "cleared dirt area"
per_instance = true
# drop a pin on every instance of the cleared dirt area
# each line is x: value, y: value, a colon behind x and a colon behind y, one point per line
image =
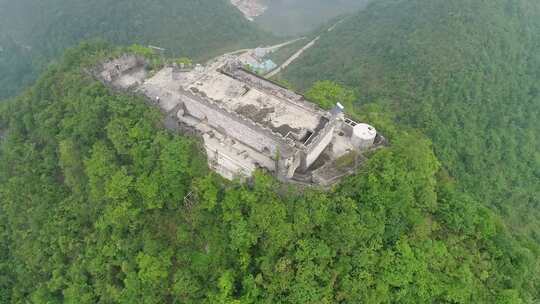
x: 250, y: 8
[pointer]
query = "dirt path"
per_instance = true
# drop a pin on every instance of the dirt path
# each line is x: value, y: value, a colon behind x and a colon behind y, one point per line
x: 300, y: 52
x: 292, y: 58
x: 278, y: 46
x: 336, y: 24
x: 271, y: 48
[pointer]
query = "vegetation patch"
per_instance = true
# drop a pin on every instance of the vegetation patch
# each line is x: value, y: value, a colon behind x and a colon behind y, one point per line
x: 99, y: 203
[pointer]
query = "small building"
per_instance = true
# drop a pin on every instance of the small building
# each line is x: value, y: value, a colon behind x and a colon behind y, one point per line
x: 263, y: 67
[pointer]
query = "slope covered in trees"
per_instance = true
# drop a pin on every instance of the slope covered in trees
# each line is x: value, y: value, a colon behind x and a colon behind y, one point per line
x: 32, y: 32
x: 99, y: 204
x: 467, y: 73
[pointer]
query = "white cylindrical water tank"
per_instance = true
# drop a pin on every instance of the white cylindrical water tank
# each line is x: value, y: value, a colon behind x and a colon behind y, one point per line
x: 363, y: 136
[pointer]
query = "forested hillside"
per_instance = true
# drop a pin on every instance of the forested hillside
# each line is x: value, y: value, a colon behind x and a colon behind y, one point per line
x: 32, y: 32
x: 16, y: 67
x: 100, y: 204
x: 466, y: 73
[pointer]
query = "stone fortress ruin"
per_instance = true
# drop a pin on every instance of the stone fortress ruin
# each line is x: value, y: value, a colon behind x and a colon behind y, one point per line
x: 248, y: 122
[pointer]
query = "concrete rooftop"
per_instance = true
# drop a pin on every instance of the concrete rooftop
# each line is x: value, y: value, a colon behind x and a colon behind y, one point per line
x: 271, y: 111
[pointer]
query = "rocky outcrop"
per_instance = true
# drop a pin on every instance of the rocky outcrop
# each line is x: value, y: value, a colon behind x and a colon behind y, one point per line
x: 250, y: 8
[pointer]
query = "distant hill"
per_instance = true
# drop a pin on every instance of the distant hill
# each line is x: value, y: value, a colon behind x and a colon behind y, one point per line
x: 36, y: 31
x: 465, y: 72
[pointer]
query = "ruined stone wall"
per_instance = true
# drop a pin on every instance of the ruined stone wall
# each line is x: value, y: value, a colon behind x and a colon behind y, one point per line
x: 290, y: 165
x: 235, y: 126
x: 320, y: 143
x: 223, y: 160
x: 226, y: 166
x: 347, y: 129
x: 270, y: 87
x: 113, y: 69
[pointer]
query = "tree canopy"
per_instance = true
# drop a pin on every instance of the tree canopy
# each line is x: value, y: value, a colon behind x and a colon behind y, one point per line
x: 463, y: 72
x: 99, y: 203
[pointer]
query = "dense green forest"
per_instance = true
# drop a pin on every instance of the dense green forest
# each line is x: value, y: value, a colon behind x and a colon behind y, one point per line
x: 16, y: 66
x: 100, y: 204
x: 32, y: 32
x: 466, y: 73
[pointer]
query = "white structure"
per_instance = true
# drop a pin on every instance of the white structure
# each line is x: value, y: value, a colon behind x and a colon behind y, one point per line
x: 363, y: 136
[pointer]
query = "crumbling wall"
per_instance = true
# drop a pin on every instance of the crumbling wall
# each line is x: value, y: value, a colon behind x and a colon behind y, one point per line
x: 270, y: 87
x: 124, y: 72
x: 317, y: 147
x: 222, y: 160
x: 289, y: 166
x: 231, y: 126
x: 114, y: 68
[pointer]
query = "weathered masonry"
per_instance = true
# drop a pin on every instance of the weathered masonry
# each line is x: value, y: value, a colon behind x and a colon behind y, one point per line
x: 246, y: 121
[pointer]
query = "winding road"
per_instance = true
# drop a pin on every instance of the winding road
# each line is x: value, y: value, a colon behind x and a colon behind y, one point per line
x: 300, y: 52
x: 292, y: 58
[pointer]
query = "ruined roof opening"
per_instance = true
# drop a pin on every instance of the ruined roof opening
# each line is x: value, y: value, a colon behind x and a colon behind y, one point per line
x: 307, y: 137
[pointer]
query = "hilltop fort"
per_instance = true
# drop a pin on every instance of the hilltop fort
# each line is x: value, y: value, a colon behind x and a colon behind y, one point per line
x: 248, y: 122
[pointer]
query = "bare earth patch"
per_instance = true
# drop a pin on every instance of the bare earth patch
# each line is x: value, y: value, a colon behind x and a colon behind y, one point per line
x: 250, y: 8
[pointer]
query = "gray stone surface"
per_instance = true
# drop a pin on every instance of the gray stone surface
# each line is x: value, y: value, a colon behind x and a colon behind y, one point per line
x: 125, y: 72
x: 246, y: 122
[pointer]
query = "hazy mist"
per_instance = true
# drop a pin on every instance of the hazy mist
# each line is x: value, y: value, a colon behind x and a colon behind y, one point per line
x: 291, y: 17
